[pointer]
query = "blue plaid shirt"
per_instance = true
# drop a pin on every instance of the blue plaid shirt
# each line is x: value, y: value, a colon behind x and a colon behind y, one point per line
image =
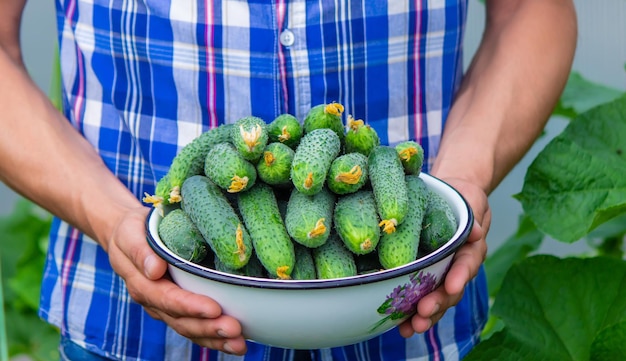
x: 143, y: 78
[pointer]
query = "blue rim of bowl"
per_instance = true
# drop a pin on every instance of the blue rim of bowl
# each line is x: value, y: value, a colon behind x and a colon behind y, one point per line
x: 204, y: 272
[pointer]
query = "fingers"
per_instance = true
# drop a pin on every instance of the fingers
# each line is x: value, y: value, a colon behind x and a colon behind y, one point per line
x: 222, y: 333
x: 194, y: 316
x: 465, y: 266
x: 133, y: 245
x: 433, y: 306
x: 429, y: 312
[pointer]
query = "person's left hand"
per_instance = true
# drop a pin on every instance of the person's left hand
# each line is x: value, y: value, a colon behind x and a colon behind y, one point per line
x: 465, y: 266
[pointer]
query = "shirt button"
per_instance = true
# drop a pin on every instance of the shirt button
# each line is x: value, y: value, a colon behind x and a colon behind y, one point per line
x: 287, y: 38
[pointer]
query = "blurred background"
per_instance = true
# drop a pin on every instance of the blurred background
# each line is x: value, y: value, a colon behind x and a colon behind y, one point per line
x: 600, y: 58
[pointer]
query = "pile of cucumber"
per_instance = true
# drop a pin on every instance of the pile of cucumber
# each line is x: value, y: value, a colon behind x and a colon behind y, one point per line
x: 299, y: 200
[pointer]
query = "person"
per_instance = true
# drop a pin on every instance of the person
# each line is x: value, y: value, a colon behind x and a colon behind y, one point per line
x: 142, y: 78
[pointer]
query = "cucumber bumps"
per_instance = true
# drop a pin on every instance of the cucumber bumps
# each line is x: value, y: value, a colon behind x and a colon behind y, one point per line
x: 325, y: 116
x: 439, y: 223
x: 389, y: 186
x: 273, y: 247
x: 217, y: 221
x: 181, y: 236
x: 188, y: 162
x: 249, y: 136
x: 347, y: 173
x: 309, y: 218
x: 274, y: 167
x: 360, y: 138
x: 411, y: 155
x: 228, y: 169
x: 285, y: 129
x: 334, y: 260
x: 356, y: 222
x: 313, y: 158
x: 401, y: 247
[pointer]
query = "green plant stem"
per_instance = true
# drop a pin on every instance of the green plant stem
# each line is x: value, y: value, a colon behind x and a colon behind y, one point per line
x: 4, y: 345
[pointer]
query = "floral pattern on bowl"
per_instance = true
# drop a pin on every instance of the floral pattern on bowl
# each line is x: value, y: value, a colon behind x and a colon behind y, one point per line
x: 401, y: 302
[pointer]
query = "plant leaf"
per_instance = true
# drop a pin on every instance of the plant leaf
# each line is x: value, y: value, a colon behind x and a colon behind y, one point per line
x: 554, y: 309
x: 518, y: 246
x: 615, y: 227
x: 577, y: 181
x: 609, y: 344
x: 580, y: 95
x: 29, y: 335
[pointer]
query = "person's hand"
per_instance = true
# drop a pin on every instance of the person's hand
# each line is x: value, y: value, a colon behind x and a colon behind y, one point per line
x: 465, y: 265
x: 194, y: 316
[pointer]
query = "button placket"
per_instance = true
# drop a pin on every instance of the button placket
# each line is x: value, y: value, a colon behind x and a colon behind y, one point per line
x: 287, y: 38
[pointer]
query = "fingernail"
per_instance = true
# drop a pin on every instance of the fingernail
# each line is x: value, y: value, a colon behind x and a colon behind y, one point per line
x: 221, y: 333
x: 227, y: 348
x: 148, y: 266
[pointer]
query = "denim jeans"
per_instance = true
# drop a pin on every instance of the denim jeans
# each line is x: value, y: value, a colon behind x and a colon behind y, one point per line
x: 71, y: 351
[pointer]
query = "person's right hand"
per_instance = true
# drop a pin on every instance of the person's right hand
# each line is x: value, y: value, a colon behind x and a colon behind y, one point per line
x: 194, y: 316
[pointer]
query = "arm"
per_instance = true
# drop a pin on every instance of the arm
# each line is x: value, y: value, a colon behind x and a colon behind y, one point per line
x: 43, y: 158
x: 505, y: 100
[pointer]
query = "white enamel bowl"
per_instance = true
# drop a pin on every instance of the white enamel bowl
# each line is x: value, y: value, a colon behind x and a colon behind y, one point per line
x: 315, y: 314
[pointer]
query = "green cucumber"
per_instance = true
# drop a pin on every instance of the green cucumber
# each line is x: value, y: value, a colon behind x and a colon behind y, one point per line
x: 386, y: 176
x: 249, y: 135
x: 309, y: 218
x: 347, y: 173
x: 227, y: 168
x: 188, y: 162
x: 272, y: 244
x: 360, y: 138
x: 274, y: 167
x: 161, y: 196
x: 285, y: 129
x: 401, y: 247
x: 325, y: 116
x: 312, y: 160
x: 411, y: 155
x: 439, y: 223
x: 304, y: 269
x: 333, y: 259
x: 208, y: 208
x: 356, y: 222
x: 181, y: 236
x: 367, y: 263
x: 253, y: 268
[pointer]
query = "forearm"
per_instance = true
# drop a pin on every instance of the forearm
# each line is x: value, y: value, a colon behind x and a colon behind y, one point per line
x: 45, y: 159
x: 509, y: 90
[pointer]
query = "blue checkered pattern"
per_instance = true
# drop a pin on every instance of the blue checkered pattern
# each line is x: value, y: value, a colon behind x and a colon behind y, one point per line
x: 143, y: 78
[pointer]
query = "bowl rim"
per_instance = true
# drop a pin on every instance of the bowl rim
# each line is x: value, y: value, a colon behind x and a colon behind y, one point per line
x: 446, y: 250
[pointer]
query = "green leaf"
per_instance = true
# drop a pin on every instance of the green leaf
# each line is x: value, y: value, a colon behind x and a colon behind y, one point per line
x: 580, y: 95
x: 609, y: 344
x: 382, y: 309
x: 615, y: 227
x: 27, y: 283
x: 56, y: 85
x: 518, y: 246
x: 564, y: 111
x: 577, y: 182
x: 22, y: 252
x: 29, y: 335
x: 554, y: 309
x: 493, y: 325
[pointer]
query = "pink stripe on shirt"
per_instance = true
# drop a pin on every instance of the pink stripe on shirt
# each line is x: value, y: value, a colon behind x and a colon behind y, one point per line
x: 209, y: 34
x: 282, y: 67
